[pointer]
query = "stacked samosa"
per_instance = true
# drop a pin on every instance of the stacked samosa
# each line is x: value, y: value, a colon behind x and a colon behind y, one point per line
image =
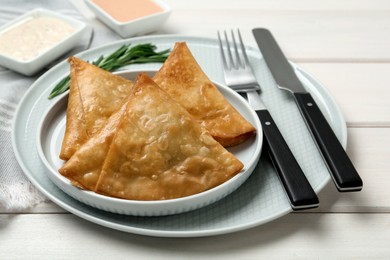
x: 152, y: 147
x: 93, y: 96
x: 183, y: 79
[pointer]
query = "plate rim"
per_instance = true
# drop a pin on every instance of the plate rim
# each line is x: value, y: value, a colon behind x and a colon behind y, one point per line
x: 149, y: 231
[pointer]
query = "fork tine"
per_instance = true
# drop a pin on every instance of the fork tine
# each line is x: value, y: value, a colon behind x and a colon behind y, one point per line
x: 243, y: 48
x: 231, y: 61
x: 237, y: 70
x: 225, y: 65
x: 238, y: 59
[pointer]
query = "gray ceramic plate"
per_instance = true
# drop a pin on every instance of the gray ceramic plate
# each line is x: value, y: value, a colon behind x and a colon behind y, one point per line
x: 259, y: 200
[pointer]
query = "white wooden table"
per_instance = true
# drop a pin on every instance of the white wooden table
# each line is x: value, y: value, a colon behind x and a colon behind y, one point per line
x: 344, y: 44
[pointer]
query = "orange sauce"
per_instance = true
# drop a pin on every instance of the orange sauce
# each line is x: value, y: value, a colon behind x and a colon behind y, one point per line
x: 127, y: 10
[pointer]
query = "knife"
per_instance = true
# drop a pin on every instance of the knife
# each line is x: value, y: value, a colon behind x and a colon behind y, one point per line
x: 343, y: 173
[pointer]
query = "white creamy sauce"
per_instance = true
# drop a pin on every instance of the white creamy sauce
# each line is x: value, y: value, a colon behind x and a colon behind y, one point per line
x: 33, y: 36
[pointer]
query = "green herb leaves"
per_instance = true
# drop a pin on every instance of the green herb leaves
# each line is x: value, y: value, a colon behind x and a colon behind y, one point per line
x: 125, y: 55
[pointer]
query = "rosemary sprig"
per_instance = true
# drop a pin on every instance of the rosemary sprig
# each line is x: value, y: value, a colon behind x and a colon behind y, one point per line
x: 141, y: 53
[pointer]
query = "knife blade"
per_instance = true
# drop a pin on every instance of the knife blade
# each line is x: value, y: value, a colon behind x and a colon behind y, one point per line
x: 343, y: 172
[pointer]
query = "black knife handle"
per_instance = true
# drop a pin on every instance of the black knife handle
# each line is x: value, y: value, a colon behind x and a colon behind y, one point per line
x: 298, y: 189
x: 342, y: 170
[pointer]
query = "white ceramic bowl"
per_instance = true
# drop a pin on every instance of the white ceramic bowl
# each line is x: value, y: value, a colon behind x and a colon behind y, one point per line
x: 139, y: 26
x: 32, y: 66
x: 49, y: 140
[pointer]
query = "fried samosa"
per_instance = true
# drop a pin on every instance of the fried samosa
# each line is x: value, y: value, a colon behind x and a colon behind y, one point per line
x: 184, y: 80
x: 84, y: 167
x: 160, y: 152
x: 94, y: 95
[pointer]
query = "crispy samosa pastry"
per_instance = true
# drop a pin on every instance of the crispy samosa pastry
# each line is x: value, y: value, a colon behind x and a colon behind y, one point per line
x: 183, y: 79
x: 160, y: 152
x: 84, y: 167
x: 94, y: 95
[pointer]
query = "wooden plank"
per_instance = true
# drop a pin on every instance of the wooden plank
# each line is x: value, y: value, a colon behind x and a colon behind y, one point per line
x: 306, y: 30
x: 371, y: 158
x: 311, y: 36
x: 272, y: 5
x: 42, y: 208
x: 360, y: 89
x: 309, y: 236
x: 345, y: 44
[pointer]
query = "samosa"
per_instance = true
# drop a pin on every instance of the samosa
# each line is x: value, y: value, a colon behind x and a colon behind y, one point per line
x: 94, y: 95
x: 160, y: 152
x: 184, y: 80
x: 151, y: 149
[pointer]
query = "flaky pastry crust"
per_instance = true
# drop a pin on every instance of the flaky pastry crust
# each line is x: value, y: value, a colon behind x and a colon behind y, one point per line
x: 94, y: 95
x: 184, y: 80
x: 160, y: 152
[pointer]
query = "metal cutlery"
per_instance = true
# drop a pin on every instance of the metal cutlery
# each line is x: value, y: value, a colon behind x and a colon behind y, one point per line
x: 240, y: 77
x: 340, y: 166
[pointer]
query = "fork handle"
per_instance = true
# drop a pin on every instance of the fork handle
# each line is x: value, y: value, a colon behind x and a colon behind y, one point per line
x: 297, y: 187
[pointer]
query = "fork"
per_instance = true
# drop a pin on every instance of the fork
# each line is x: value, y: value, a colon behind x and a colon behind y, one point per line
x: 240, y: 77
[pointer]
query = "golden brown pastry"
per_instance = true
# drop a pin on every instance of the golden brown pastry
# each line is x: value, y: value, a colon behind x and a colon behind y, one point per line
x: 94, y: 95
x: 182, y: 77
x: 76, y: 130
x: 84, y: 167
x: 160, y: 152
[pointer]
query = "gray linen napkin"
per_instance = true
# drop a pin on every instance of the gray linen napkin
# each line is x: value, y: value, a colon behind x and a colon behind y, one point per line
x: 16, y: 192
